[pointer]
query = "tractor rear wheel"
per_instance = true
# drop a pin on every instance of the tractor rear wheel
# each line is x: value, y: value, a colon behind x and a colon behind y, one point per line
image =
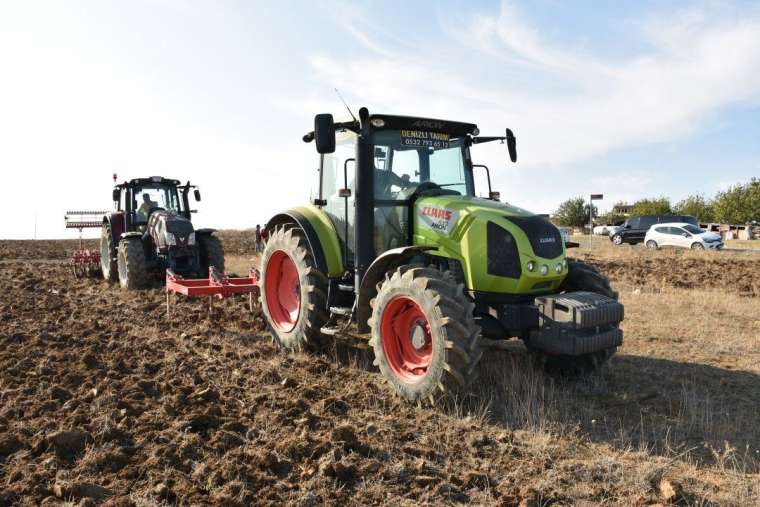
x: 293, y: 290
x: 107, y: 262
x: 424, y: 336
x: 580, y: 277
x: 131, y: 263
x: 211, y: 253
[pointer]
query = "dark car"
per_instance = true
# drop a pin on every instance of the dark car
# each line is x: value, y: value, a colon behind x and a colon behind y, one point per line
x: 635, y: 228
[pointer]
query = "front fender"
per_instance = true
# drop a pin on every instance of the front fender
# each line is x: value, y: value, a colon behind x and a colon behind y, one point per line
x: 320, y: 234
x: 388, y: 260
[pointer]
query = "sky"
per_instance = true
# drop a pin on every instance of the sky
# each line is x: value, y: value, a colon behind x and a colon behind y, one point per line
x: 628, y: 99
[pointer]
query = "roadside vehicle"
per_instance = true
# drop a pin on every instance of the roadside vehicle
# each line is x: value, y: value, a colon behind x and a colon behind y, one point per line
x: 605, y: 230
x: 682, y: 235
x: 635, y: 228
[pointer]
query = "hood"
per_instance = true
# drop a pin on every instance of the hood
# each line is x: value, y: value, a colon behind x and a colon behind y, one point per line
x: 474, y: 204
x: 170, y: 229
x: 710, y: 236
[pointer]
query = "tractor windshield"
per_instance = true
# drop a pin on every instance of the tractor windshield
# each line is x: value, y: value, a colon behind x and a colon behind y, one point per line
x: 147, y: 198
x: 406, y: 158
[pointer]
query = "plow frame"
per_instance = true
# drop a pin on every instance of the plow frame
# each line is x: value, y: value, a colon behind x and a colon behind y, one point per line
x: 217, y: 285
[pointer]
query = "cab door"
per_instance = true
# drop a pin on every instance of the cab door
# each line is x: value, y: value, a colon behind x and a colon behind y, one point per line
x: 337, y: 172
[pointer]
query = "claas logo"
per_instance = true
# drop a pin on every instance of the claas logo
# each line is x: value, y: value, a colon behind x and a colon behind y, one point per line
x: 441, y: 213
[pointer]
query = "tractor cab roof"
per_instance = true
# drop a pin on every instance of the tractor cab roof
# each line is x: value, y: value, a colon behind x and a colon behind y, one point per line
x: 392, y: 122
x: 139, y: 182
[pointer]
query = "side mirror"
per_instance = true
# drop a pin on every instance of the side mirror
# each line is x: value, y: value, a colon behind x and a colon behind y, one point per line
x: 116, y: 194
x: 686, y: 235
x: 324, y: 133
x: 197, y: 194
x: 512, y: 145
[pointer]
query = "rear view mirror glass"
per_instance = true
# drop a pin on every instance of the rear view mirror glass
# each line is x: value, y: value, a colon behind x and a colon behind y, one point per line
x: 324, y: 133
x: 116, y: 194
x: 197, y: 194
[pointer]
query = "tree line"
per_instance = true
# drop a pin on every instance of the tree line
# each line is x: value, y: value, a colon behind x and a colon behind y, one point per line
x: 739, y: 204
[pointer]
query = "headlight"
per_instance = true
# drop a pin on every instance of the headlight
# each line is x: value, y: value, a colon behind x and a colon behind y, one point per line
x: 191, y: 239
x: 531, y: 265
x: 170, y: 239
x: 558, y: 268
x: 544, y: 270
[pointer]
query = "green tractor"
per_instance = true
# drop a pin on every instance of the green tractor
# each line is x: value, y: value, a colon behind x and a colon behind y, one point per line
x: 397, y: 252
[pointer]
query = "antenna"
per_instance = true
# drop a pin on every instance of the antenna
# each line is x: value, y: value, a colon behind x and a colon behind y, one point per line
x: 344, y: 103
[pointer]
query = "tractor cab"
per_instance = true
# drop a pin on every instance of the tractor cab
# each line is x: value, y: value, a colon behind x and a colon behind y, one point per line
x: 390, y: 162
x: 138, y: 198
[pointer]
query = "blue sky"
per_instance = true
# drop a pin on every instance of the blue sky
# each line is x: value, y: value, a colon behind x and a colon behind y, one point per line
x: 630, y: 99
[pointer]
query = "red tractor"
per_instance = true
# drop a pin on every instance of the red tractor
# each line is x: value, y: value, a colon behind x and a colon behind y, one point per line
x: 151, y: 232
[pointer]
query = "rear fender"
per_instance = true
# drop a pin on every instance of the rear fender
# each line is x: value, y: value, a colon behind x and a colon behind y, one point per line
x: 116, y: 223
x: 320, y: 234
x: 376, y: 273
x: 206, y: 231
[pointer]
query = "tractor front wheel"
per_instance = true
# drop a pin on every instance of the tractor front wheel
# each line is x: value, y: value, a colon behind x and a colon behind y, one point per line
x: 107, y: 262
x: 424, y: 336
x: 293, y: 290
x: 131, y: 263
x: 210, y: 253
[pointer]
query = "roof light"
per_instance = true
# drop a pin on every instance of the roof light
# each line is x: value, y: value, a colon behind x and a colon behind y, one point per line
x: 377, y: 122
x: 476, y: 131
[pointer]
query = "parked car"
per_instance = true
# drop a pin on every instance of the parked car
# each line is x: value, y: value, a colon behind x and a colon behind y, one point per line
x: 605, y: 230
x: 635, y: 228
x: 682, y: 235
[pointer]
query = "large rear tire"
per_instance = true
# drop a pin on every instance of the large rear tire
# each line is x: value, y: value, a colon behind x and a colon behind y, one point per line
x: 424, y: 336
x: 107, y: 262
x: 581, y: 277
x: 131, y: 263
x: 293, y: 290
x: 211, y: 253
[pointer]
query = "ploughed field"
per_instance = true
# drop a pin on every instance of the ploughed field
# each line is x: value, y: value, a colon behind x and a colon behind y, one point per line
x: 105, y: 400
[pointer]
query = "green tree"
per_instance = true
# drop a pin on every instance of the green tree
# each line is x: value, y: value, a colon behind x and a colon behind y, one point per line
x: 572, y: 213
x: 611, y: 218
x: 739, y: 204
x: 696, y: 206
x: 654, y: 206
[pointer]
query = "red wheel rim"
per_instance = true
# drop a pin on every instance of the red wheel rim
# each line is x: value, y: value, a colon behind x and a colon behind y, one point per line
x: 283, y: 291
x: 406, y: 339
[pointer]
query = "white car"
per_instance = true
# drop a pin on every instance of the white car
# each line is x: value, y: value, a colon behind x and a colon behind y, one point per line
x: 605, y: 230
x: 682, y: 235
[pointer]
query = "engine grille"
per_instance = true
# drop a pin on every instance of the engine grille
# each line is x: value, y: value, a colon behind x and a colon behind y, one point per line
x: 544, y: 237
x: 503, y: 258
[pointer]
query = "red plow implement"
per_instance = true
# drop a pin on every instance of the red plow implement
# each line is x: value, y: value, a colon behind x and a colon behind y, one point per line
x: 218, y: 285
x: 84, y: 262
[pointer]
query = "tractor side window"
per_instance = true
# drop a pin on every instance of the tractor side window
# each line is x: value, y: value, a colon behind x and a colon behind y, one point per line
x: 337, y: 174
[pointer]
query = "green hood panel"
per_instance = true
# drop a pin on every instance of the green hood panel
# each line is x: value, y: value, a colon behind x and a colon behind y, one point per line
x: 457, y: 226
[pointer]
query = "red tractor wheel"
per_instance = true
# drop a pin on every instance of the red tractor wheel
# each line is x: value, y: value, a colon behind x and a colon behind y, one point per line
x: 424, y: 336
x: 406, y: 339
x: 283, y: 291
x: 293, y: 290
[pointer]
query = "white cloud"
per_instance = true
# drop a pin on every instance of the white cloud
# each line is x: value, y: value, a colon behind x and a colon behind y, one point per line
x: 694, y: 63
